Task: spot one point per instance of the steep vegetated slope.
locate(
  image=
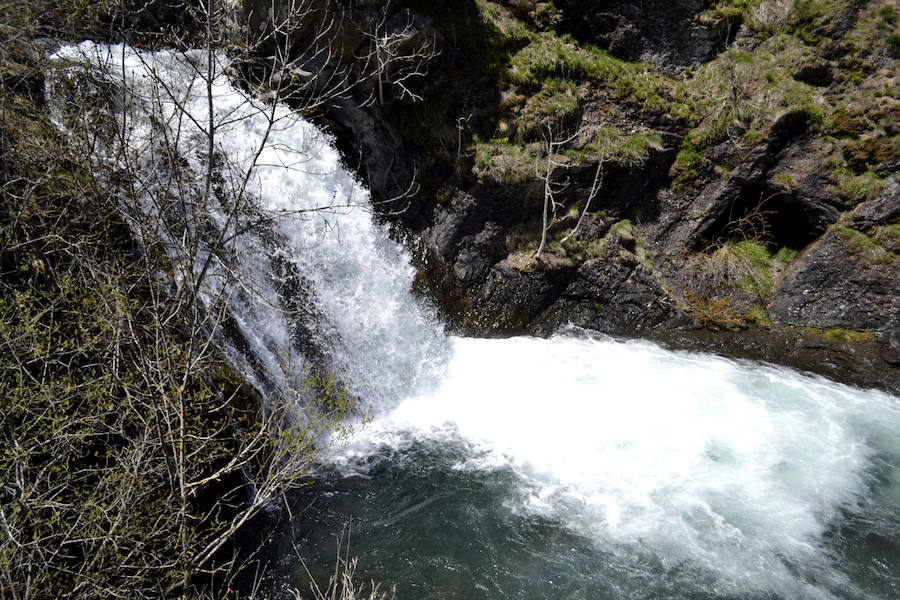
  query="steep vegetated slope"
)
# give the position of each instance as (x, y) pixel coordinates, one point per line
(130, 451)
(727, 166)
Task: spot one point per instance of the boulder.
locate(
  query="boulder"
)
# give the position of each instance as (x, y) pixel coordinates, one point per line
(613, 293)
(880, 210)
(833, 284)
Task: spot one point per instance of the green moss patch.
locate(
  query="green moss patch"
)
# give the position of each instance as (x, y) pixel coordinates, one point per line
(871, 246)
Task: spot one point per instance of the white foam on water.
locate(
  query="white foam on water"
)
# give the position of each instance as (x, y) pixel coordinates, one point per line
(734, 469)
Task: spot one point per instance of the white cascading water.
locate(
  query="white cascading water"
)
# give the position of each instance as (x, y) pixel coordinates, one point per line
(737, 469)
(379, 339)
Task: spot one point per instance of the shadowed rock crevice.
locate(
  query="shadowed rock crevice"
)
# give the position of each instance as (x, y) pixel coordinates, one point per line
(670, 35)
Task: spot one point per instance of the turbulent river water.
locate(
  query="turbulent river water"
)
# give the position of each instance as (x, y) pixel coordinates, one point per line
(584, 467)
(572, 467)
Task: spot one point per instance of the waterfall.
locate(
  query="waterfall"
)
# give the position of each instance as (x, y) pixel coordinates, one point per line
(312, 272)
(577, 467)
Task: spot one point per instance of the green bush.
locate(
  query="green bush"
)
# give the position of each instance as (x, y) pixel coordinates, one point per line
(747, 266)
(688, 160)
(611, 142)
(505, 162)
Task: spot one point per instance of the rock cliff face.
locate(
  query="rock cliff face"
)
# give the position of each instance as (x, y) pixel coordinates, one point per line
(734, 190)
(845, 278)
(660, 32)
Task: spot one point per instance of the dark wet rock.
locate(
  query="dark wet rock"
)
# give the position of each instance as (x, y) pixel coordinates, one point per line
(810, 202)
(614, 293)
(478, 253)
(665, 33)
(450, 223)
(593, 227)
(868, 364)
(787, 128)
(510, 299)
(385, 163)
(831, 284)
(891, 353)
(628, 189)
(476, 220)
(713, 207)
(785, 197)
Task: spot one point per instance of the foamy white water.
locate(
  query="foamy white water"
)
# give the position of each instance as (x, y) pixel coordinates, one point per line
(735, 469)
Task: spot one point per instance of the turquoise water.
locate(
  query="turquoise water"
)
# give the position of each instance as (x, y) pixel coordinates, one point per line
(580, 467)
